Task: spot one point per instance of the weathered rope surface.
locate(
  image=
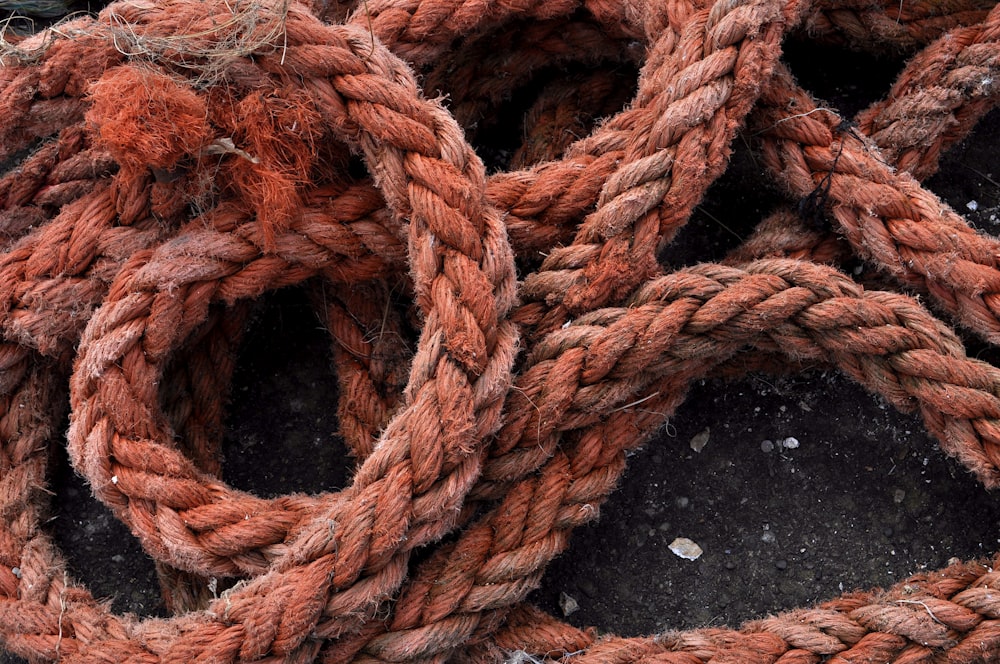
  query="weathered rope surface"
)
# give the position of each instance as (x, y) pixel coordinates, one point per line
(193, 157)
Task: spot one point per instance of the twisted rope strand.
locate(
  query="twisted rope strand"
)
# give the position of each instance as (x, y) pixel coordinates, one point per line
(325, 566)
(908, 116)
(949, 615)
(675, 329)
(943, 92)
(99, 432)
(886, 216)
(879, 25)
(615, 247)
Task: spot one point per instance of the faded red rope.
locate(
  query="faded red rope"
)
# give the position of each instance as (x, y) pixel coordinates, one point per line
(325, 566)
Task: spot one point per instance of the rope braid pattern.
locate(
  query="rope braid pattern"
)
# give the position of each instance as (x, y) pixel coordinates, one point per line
(464, 344)
(877, 25)
(890, 219)
(320, 568)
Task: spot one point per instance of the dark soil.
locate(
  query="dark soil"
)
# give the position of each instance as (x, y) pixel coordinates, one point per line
(864, 499)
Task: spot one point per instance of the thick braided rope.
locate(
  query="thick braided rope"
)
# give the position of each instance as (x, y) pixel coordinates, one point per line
(944, 90)
(39, 564)
(565, 110)
(808, 243)
(481, 74)
(881, 25)
(824, 279)
(493, 257)
(886, 216)
(919, 120)
(299, 250)
(912, 126)
(47, 295)
(100, 472)
(420, 31)
(371, 350)
(654, 408)
(582, 378)
(51, 293)
(770, 238)
(455, 287)
(532, 201)
(695, 110)
(948, 616)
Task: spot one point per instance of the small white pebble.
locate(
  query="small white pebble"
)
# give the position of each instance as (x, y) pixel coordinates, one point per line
(700, 440)
(684, 548)
(568, 604)
(973, 205)
(16, 571)
(114, 479)
(790, 443)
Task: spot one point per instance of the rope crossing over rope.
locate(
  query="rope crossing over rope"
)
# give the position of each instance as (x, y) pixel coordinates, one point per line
(170, 161)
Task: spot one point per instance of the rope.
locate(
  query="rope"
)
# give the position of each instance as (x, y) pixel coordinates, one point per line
(174, 161)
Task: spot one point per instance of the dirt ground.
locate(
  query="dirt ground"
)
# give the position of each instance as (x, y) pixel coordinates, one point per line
(806, 487)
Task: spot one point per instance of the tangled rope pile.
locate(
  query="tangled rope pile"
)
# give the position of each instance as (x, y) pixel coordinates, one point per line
(176, 159)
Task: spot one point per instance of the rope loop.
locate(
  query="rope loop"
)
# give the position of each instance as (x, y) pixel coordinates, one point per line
(167, 163)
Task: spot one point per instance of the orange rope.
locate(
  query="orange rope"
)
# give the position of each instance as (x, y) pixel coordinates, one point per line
(194, 157)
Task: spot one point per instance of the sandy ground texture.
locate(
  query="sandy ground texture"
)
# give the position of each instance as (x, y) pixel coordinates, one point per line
(805, 485)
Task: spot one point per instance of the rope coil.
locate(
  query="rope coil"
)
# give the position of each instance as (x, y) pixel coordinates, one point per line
(175, 160)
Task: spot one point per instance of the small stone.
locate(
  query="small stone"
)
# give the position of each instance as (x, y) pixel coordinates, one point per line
(766, 445)
(686, 549)
(898, 496)
(683, 501)
(118, 559)
(973, 205)
(730, 564)
(790, 443)
(700, 439)
(781, 564)
(568, 605)
(16, 571)
(887, 531)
